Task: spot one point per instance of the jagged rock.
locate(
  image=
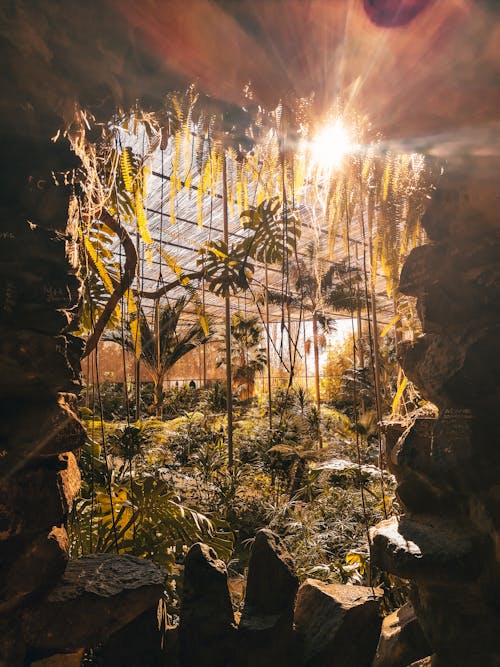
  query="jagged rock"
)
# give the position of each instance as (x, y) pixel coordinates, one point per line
(401, 639)
(421, 486)
(36, 568)
(38, 498)
(272, 583)
(426, 548)
(461, 622)
(206, 628)
(393, 430)
(431, 362)
(339, 624)
(52, 428)
(424, 662)
(34, 364)
(97, 596)
(12, 647)
(455, 372)
(265, 628)
(61, 660)
(142, 643)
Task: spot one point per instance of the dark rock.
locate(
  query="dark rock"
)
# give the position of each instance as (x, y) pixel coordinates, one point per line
(38, 498)
(455, 372)
(424, 662)
(426, 548)
(393, 430)
(97, 596)
(401, 639)
(462, 626)
(52, 428)
(421, 487)
(142, 643)
(431, 362)
(35, 569)
(34, 364)
(12, 647)
(272, 583)
(206, 629)
(339, 624)
(265, 628)
(61, 660)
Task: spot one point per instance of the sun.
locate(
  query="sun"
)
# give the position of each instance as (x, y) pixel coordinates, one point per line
(329, 147)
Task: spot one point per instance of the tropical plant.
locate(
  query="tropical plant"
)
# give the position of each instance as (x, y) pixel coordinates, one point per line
(160, 344)
(248, 356)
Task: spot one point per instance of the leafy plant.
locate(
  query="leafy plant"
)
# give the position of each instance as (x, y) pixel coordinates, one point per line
(162, 343)
(248, 356)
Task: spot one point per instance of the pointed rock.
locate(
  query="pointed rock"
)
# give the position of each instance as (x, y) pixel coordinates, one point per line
(206, 629)
(401, 639)
(339, 624)
(266, 626)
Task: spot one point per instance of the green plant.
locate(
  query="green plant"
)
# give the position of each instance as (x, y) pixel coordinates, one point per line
(129, 441)
(248, 356)
(160, 344)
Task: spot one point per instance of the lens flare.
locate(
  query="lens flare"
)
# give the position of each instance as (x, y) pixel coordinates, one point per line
(329, 147)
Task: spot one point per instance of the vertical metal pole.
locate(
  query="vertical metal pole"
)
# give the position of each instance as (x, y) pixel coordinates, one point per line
(229, 379)
(305, 353)
(159, 388)
(204, 351)
(376, 354)
(376, 350)
(361, 354)
(137, 359)
(316, 373)
(268, 352)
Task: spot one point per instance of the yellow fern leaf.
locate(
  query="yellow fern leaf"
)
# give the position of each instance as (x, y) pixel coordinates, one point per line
(142, 223)
(127, 169)
(386, 181)
(200, 205)
(101, 269)
(399, 394)
(130, 301)
(135, 332)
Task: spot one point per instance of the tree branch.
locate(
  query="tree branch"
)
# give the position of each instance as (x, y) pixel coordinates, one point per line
(121, 286)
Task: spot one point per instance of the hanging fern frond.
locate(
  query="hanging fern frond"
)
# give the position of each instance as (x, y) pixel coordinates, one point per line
(127, 170)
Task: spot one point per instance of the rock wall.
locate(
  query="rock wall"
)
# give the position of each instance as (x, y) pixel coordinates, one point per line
(39, 361)
(448, 541)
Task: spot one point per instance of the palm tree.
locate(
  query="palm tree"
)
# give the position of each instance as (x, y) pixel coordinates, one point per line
(248, 357)
(321, 286)
(163, 342)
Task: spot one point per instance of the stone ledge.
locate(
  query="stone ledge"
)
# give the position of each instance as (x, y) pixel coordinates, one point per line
(97, 595)
(426, 549)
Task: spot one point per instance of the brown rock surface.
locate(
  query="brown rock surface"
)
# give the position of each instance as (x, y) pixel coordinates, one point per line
(36, 568)
(265, 629)
(401, 639)
(38, 497)
(97, 596)
(141, 643)
(206, 628)
(339, 624)
(426, 547)
(272, 583)
(60, 660)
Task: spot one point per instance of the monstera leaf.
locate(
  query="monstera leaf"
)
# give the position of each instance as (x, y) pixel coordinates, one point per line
(225, 269)
(275, 232)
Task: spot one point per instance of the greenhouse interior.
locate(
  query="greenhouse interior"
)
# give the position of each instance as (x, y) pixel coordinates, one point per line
(250, 296)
